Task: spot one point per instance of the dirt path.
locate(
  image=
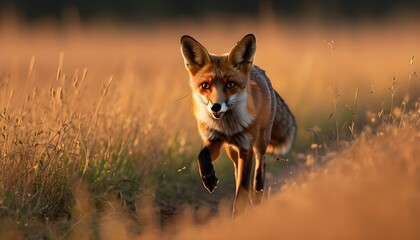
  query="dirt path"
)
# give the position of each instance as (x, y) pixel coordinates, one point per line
(179, 196)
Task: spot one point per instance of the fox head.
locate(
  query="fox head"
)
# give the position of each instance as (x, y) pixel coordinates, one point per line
(218, 81)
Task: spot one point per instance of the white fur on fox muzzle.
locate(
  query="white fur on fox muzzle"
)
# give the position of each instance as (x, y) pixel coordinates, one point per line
(217, 115)
(217, 109)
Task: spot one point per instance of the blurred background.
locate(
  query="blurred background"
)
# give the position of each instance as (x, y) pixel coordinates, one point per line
(157, 10)
(324, 50)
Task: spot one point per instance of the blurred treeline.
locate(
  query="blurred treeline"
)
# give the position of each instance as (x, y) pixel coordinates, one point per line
(156, 10)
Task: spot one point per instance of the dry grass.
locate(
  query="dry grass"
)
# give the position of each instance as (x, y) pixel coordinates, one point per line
(94, 118)
(368, 192)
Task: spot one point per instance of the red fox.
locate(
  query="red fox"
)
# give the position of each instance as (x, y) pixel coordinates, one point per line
(236, 108)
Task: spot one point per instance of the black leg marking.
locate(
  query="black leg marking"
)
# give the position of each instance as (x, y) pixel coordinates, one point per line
(207, 173)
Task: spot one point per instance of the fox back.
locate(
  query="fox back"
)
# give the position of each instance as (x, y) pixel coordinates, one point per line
(236, 107)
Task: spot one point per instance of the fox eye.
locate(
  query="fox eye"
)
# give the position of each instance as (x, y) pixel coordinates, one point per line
(230, 85)
(205, 85)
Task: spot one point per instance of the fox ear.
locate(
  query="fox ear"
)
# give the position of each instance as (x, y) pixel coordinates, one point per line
(242, 54)
(195, 55)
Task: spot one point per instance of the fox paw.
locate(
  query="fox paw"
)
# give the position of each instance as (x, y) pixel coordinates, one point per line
(210, 181)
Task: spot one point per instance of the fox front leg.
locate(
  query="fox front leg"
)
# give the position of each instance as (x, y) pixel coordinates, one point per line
(244, 167)
(209, 153)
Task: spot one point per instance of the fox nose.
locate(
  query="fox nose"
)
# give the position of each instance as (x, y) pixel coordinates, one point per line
(216, 107)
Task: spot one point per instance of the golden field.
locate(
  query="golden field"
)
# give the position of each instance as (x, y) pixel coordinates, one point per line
(98, 139)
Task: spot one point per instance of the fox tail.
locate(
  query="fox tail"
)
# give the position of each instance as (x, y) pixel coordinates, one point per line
(284, 129)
